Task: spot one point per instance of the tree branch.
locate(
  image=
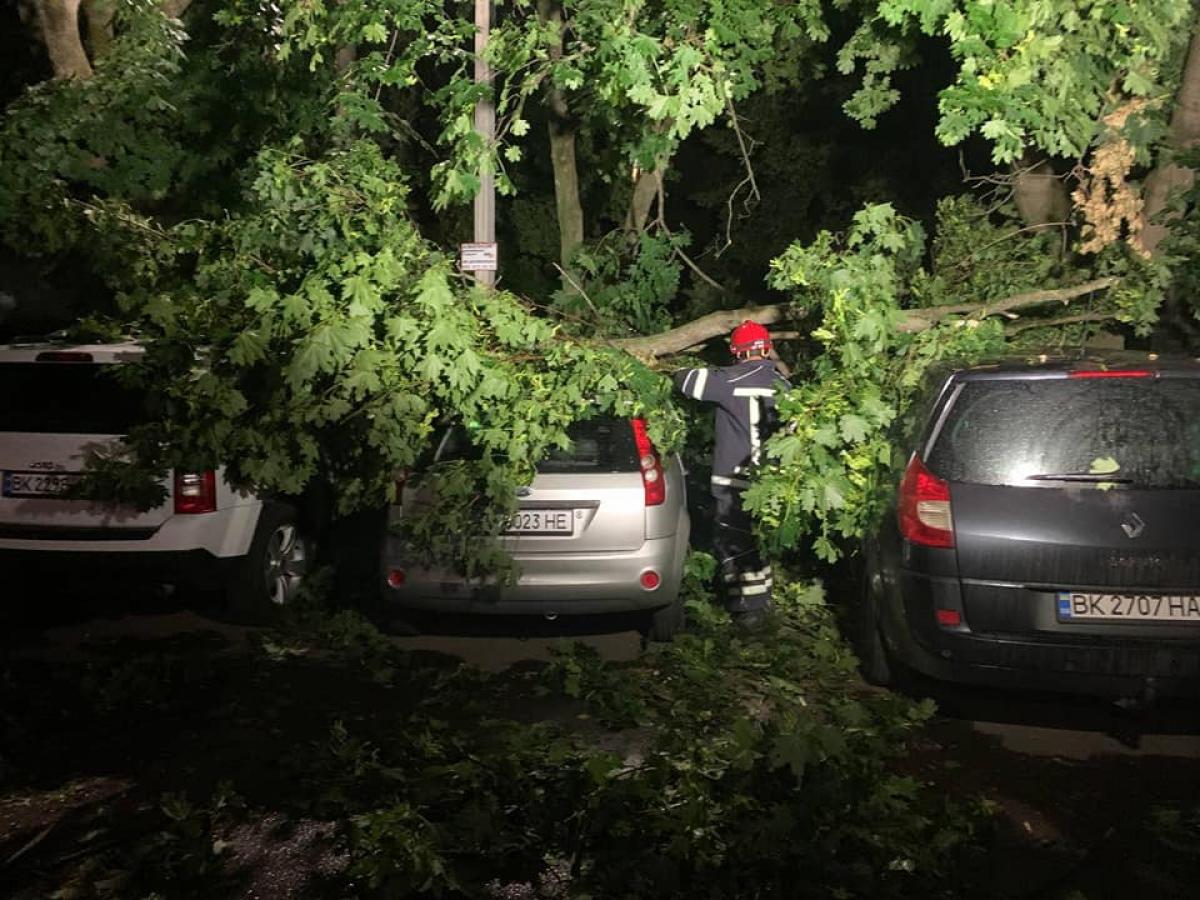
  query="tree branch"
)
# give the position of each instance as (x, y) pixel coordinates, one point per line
(1025, 325)
(720, 323)
(754, 196)
(700, 273)
(920, 319)
(698, 331)
(567, 277)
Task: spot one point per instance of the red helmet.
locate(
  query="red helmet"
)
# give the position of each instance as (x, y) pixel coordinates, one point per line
(750, 337)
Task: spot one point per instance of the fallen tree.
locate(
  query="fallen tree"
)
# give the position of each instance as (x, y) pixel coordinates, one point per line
(720, 323)
(339, 332)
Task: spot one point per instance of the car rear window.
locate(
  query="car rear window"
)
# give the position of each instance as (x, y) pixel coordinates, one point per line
(597, 445)
(65, 398)
(1007, 431)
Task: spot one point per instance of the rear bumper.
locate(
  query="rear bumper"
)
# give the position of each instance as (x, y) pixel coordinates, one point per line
(549, 584)
(1096, 664)
(193, 568)
(224, 533)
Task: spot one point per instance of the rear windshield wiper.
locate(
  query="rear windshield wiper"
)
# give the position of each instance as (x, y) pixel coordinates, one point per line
(1081, 477)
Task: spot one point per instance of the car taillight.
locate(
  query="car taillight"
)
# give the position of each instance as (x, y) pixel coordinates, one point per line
(1111, 373)
(924, 508)
(948, 618)
(652, 472)
(195, 492)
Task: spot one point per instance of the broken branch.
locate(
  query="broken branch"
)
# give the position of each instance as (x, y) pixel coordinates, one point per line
(1018, 327)
(720, 323)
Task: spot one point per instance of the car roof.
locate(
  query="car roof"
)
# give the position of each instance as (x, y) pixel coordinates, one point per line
(36, 350)
(1049, 366)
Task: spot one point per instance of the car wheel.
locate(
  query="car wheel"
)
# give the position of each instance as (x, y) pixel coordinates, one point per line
(667, 622)
(269, 576)
(874, 661)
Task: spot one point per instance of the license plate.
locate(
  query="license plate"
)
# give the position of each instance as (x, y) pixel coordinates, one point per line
(542, 521)
(36, 484)
(1076, 606)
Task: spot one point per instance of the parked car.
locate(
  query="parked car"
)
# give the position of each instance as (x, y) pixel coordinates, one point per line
(603, 528)
(1045, 532)
(59, 402)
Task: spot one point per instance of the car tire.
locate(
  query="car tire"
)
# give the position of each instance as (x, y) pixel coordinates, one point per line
(874, 661)
(667, 622)
(268, 577)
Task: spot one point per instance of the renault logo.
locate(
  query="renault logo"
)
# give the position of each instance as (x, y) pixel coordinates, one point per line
(1132, 525)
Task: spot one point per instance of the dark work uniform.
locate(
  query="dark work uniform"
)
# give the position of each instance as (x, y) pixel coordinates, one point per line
(746, 416)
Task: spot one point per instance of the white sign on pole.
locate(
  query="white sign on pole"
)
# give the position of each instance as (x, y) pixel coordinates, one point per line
(479, 257)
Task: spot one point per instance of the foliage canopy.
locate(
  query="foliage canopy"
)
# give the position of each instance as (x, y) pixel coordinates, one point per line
(257, 186)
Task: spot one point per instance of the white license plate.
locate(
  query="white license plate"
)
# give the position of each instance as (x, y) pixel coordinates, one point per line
(36, 484)
(542, 521)
(1076, 606)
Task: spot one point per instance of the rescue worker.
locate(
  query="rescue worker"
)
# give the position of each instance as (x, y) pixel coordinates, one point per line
(744, 395)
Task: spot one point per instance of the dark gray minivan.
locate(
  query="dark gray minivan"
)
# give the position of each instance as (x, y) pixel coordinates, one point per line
(1045, 532)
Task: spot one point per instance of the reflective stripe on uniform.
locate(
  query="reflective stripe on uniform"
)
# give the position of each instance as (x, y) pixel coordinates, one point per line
(730, 482)
(754, 590)
(755, 438)
(760, 575)
(697, 390)
(754, 400)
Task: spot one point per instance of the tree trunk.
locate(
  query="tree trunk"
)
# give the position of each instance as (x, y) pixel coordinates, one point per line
(59, 20)
(1041, 197)
(1169, 178)
(566, 190)
(716, 324)
(99, 15)
(645, 190)
(344, 57)
(562, 151)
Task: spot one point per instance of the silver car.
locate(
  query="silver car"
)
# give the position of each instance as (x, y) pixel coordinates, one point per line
(603, 528)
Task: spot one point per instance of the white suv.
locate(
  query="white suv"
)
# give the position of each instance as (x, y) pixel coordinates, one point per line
(58, 404)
